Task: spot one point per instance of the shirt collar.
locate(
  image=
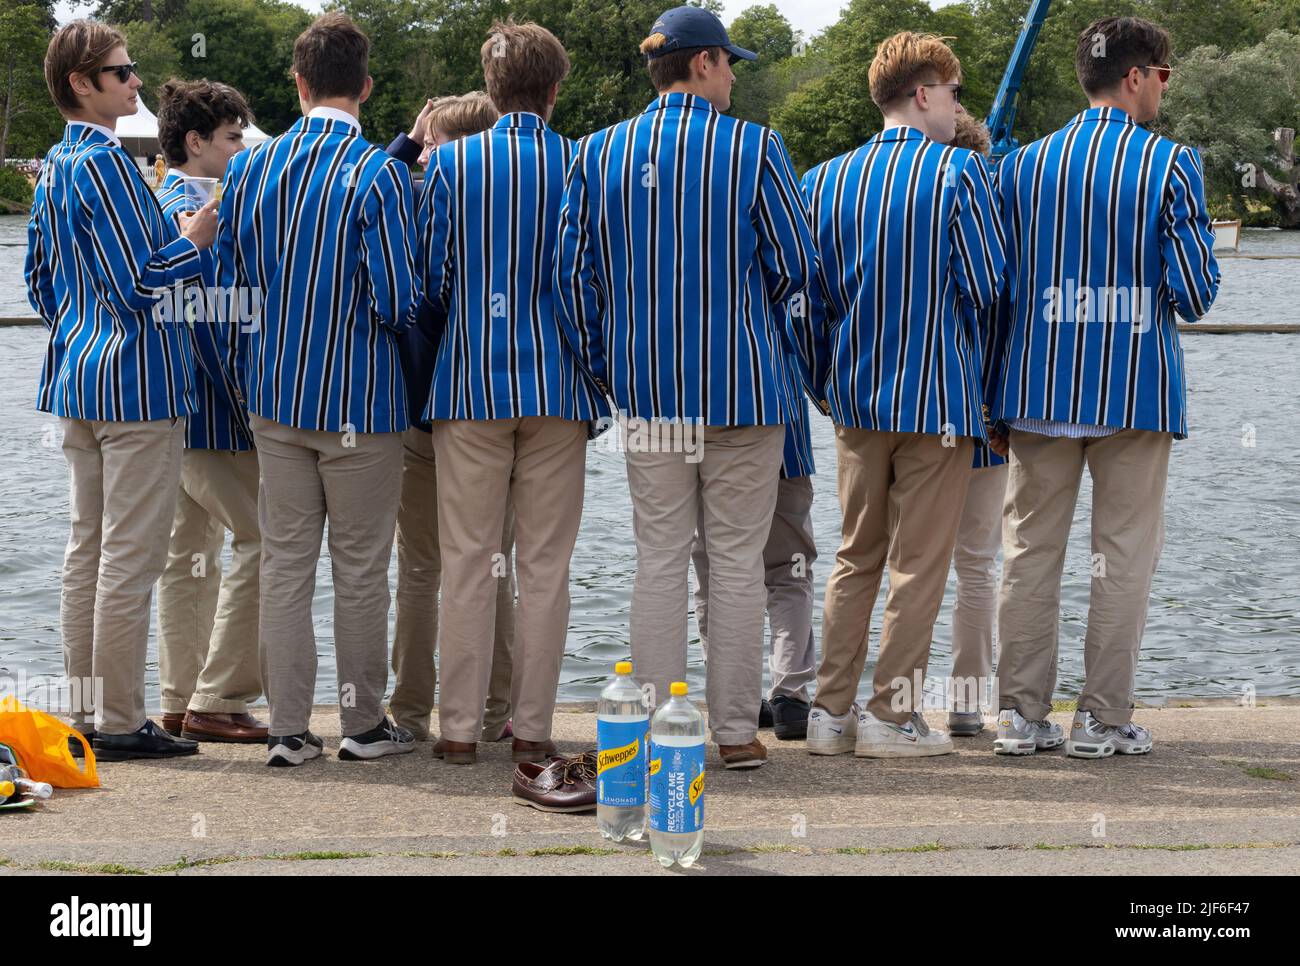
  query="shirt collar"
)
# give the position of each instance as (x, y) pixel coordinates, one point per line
(109, 135)
(679, 99)
(334, 114)
(526, 119)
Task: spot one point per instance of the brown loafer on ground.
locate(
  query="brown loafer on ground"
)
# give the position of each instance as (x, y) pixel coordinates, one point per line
(521, 750)
(560, 785)
(238, 729)
(173, 723)
(456, 752)
(751, 755)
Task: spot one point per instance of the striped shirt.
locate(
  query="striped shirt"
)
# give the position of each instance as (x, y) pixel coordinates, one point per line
(316, 232)
(100, 257)
(219, 420)
(488, 221)
(681, 230)
(1108, 238)
(908, 235)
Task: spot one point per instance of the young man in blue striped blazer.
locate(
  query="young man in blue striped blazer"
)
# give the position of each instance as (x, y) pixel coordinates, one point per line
(682, 234)
(208, 663)
(316, 225)
(509, 403)
(908, 236)
(1109, 241)
(101, 259)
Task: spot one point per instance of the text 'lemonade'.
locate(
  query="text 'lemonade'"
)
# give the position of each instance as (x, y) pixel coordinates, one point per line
(622, 733)
(677, 781)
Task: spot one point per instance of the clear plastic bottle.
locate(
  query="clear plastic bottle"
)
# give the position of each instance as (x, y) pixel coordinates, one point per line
(677, 780)
(622, 739)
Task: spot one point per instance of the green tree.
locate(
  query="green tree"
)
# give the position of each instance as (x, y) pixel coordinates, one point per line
(154, 49)
(764, 83)
(28, 120)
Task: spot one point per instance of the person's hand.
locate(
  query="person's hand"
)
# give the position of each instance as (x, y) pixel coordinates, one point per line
(201, 226)
(419, 129)
(998, 443)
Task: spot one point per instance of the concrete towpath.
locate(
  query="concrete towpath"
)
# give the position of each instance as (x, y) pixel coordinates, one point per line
(1220, 794)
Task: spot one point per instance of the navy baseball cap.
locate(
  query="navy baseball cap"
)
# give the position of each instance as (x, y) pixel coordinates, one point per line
(687, 27)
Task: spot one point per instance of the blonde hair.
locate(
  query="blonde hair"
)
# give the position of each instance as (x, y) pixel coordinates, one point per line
(971, 134)
(907, 59)
(521, 63)
(460, 115)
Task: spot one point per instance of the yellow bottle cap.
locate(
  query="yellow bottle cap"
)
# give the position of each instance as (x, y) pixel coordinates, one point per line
(623, 667)
(677, 689)
(6, 789)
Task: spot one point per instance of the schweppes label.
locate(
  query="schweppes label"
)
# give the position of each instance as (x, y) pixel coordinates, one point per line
(697, 788)
(621, 761)
(655, 765)
(614, 757)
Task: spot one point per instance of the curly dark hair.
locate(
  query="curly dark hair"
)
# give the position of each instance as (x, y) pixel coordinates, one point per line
(201, 106)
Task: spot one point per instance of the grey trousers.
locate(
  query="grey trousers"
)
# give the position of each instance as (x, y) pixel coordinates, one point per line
(975, 558)
(733, 486)
(788, 557)
(354, 481)
(1129, 470)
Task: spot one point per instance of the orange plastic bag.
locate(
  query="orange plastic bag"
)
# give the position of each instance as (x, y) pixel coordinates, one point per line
(42, 746)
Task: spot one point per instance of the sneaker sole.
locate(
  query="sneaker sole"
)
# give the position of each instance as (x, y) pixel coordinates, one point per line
(901, 751)
(796, 732)
(350, 751)
(1014, 746)
(831, 746)
(1089, 749)
(746, 763)
(965, 731)
(218, 739)
(282, 757)
(1143, 749)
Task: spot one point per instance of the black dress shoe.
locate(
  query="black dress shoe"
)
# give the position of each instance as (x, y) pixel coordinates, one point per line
(74, 745)
(149, 742)
(790, 718)
(765, 714)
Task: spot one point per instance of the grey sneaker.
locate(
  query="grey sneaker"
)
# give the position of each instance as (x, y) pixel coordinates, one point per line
(965, 724)
(1089, 738)
(1018, 735)
(884, 739)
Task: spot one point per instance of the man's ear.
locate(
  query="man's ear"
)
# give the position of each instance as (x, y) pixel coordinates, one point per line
(304, 94)
(365, 91)
(80, 83)
(193, 144)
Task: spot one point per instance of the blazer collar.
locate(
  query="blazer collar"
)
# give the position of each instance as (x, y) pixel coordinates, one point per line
(77, 131)
(326, 120)
(679, 99)
(1103, 114)
(524, 119)
(902, 133)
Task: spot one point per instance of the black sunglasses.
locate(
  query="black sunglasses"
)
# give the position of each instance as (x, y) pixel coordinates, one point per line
(123, 71)
(956, 90)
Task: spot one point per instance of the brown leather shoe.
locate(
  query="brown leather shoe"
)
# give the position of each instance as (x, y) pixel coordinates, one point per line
(456, 752)
(751, 755)
(560, 785)
(173, 723)
(521, 750)
(238, 729)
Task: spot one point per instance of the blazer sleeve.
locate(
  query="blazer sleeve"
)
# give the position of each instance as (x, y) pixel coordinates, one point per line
(39, 268)
(1191, 272)
(111, 201)
(580, 299)
(388, 244)
(978, 245)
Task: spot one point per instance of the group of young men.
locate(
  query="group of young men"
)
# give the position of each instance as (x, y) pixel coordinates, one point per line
(434, 368)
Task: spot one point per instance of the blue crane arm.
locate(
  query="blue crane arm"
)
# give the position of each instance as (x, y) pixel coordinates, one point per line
(1003, 113)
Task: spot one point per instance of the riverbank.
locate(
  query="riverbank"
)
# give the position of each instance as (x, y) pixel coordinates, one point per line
(1220, 794)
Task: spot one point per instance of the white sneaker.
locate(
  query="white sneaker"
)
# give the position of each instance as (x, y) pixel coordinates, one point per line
(832, 735)
(385, 738)
(1089, 738)
(883, 739)
(1018, 735)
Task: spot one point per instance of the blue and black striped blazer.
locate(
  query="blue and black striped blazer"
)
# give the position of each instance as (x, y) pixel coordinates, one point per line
(317, 226)
(219, 420)
(101, 257)
(909, 239)
(682, 231)
(1104, 208)
(488, 221)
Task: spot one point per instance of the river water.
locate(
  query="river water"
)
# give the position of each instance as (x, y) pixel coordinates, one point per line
(1225, 609)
